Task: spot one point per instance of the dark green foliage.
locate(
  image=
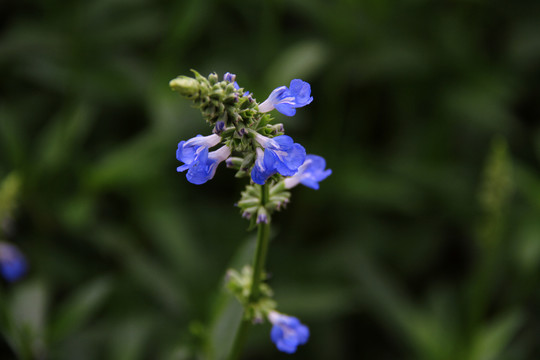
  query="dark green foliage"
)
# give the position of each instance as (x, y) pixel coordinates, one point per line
(423, 244)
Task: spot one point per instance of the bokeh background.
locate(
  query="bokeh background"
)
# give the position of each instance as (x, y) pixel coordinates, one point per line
(423, 244)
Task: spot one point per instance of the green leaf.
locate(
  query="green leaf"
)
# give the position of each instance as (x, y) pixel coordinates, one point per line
(131, 338)
(63, 137)
(79, 308)
(493, 338)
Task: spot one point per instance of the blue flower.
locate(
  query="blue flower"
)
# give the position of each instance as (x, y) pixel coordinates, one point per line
(229, 77)
(189, 151)
(205, 165)
(232, 79)
(310, 173)
(281, 155)
(12, 262)
(286, 100)
(263, 168)
(288, 332)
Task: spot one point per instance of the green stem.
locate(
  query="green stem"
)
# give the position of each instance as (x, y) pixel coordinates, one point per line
(239, 339)
(263, 230)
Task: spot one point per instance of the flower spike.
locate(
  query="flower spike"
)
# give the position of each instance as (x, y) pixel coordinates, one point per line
(310, 173)
(286, 100)
(259, 149)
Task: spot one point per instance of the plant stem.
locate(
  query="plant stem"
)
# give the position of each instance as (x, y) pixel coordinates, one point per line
(239, 339)
(263, 230)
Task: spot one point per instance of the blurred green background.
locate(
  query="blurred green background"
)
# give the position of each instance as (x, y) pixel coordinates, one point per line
(423, 244)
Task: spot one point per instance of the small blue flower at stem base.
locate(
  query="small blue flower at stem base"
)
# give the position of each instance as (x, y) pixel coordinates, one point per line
(204, 168)
(310, 173)
(281, 155)
(286, 100)
(12, 262)
(188, 151)
(288, 332)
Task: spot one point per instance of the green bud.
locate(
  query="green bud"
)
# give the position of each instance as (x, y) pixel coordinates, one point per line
(277, 129)
(240, 174)
(213, 78)
(278, 188)
(247, 162)
(186, 86)
(252, 190)
(248, 202)
(234, 162)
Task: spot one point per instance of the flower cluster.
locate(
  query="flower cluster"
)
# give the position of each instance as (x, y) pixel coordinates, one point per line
(243, 127)
(256, 148)
(239, 284)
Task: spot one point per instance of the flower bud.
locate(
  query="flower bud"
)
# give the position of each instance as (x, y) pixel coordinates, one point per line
(184, 85)
(262, 216)
(219, 128)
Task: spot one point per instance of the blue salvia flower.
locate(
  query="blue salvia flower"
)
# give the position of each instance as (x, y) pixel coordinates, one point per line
(281, 155)
(288, 332)
(188, 151)
(310, 173)
(286, 100)
(204, 167)
(232, 79)
(263, 168)
(12, 262)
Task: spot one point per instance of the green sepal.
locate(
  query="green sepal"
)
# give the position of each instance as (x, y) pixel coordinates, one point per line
(249, 159)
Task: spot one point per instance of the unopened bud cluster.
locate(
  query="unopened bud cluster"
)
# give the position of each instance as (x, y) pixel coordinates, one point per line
(239, 284)
(258, 211)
